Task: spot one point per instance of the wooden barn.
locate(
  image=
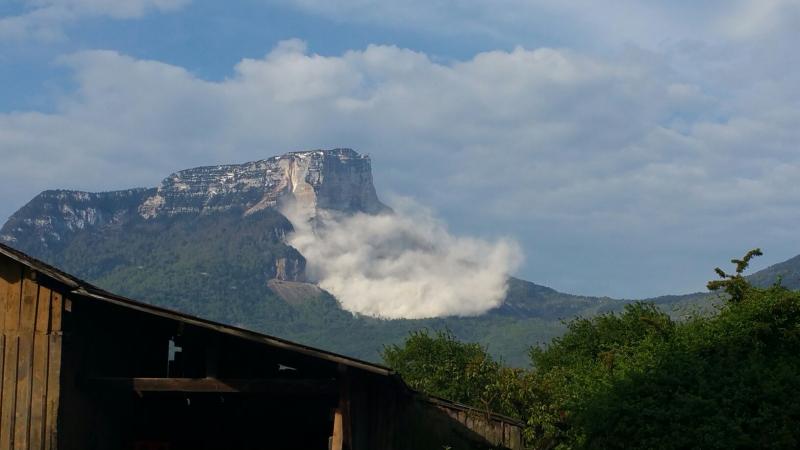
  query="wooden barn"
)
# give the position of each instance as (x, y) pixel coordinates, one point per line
(84, 369)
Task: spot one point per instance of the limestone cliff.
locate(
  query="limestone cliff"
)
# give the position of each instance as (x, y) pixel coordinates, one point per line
(339, 180)
(52, 217)
(316, 180)
(313, 182)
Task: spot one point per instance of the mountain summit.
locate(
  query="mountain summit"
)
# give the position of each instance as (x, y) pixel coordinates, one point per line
(337, 180)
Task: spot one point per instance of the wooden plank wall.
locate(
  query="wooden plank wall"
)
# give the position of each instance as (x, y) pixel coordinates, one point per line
(30, 359)
(495, 430)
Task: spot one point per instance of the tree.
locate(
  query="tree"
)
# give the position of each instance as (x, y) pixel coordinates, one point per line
(438, 364)
(735, 285)
(638, 380)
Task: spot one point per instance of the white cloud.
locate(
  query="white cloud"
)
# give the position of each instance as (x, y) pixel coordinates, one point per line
(45, 19)
(404, 264)
(585, 22)
(695, 144)
(756, 17)
(596, 24)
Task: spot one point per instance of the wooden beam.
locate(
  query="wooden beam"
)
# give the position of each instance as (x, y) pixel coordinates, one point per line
(27, 324)
(337, 439)
(341, 438)
(10, 300)
(276, 386)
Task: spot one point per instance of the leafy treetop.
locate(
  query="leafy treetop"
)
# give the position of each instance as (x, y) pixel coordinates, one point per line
(735, 285)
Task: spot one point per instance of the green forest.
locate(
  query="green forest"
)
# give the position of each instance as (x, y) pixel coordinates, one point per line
(218, 266)
(638, 379)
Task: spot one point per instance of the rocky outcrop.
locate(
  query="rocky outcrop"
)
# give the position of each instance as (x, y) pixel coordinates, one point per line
(295, 293)
(292, 268)
(338, 180)
(52, 217)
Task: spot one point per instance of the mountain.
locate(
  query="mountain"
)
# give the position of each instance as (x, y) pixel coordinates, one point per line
(787, 272)
(318, 181)
(211, 241)
(49, 222)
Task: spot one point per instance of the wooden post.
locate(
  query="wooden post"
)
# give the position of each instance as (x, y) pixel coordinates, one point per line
(10, 299)
(27, 324)
(337, 440)
(341, 439)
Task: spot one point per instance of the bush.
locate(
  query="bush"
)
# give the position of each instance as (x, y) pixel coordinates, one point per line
(440, 365)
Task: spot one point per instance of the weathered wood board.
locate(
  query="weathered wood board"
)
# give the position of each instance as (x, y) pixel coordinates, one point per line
(30, 356)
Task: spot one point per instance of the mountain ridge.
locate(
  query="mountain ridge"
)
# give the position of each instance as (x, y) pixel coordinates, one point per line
(321, 180)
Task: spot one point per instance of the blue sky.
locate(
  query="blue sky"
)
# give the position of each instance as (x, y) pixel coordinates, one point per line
(628, 146)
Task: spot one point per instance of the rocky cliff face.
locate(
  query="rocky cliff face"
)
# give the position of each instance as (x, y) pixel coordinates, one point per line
(52, 217)
(312, 182)
(339, 180)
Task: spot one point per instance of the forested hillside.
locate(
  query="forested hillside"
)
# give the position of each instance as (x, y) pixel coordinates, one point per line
(639, 379)
(218, 266)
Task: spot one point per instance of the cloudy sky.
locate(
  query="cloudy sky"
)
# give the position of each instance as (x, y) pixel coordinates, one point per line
(628, 146)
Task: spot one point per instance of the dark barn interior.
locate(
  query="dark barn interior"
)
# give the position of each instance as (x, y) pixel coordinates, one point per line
(84, 369)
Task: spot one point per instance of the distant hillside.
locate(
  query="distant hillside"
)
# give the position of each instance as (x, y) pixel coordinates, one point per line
(788, 272)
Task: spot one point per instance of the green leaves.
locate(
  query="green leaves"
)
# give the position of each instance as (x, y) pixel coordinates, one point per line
(736, 286)
(438, 364)
(638, 379)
